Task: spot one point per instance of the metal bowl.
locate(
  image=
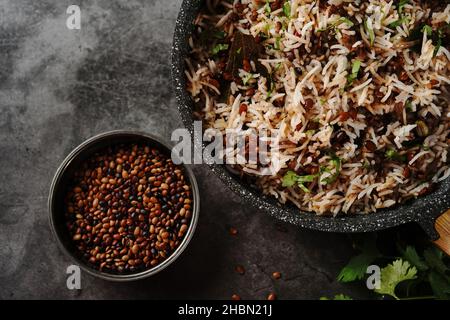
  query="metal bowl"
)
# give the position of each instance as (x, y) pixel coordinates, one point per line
(65, 173)
(424, 210)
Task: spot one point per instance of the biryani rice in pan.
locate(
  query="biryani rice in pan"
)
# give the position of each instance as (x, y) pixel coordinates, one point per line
(358, 93)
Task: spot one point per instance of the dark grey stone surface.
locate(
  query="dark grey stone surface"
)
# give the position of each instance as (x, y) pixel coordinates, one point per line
(59, 87)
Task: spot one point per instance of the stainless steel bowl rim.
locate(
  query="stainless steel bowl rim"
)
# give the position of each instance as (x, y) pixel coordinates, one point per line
(134, 276)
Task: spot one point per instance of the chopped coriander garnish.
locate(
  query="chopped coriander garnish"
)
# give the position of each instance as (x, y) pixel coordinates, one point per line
(287, 9)
(408, 106)
(393, 274)
(355, 70)
(336, 162)
(238, 50)
(270, 91)
(425, 148)
(426, 28)
(391, 154)
(267, 8)
(219, 47)
(370, 31)
(278, 66)
(401, 5)
(277, 43)
(310, 132)
(291, 179)
(338, 22)
(398, 23)
(247, 78)
(346, 21)
(366, 164)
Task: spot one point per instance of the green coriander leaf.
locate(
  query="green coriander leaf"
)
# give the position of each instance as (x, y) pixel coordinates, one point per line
(434, 258)
(440, 285)
(277, 43)
(408, 106)
(305, 189)
(391, 154)
(346, 21)
(267, 8)
(308, 178)
(366, 165)
(310, 132)
(219, 47)
(401, 5)
(393, 274)
(287, 9)
(370, 32)
(426, 28)
(356, 268)
(410, 254)
(289, 179)
(270, 91)
(278, 66)
(438, 46)
(356, 66)
(398, 22)
(336, 163)
(355, 70)
(247, 78)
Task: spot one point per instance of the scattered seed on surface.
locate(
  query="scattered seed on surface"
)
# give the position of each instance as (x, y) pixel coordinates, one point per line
(233, 231)
(276, 275)
(235, 297)
(271, 296)
(239, 269)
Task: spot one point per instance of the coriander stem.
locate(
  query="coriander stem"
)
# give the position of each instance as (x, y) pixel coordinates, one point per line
(419, 298)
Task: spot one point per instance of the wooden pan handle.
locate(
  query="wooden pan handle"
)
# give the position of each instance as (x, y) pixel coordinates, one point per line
(443, 228)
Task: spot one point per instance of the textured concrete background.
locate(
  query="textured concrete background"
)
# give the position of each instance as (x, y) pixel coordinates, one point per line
(59, 87)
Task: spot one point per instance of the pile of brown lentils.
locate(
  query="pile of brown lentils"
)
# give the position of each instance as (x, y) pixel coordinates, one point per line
(128, 209)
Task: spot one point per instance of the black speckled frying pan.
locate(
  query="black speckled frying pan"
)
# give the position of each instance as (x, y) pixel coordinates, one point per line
(425, 210)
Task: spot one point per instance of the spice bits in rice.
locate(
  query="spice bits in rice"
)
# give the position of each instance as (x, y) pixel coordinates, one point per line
(128, 209)
(357, 92)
